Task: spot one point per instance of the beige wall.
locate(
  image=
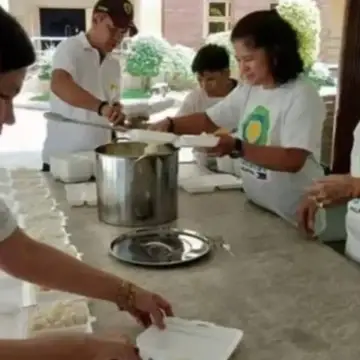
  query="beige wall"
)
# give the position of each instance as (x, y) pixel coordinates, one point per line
(337, 16)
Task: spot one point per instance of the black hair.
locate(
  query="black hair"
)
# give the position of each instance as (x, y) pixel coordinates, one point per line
(16, 50)
(211, 58)
(268, 30)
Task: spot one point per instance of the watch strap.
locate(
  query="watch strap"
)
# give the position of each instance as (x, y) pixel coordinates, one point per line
(101, 106)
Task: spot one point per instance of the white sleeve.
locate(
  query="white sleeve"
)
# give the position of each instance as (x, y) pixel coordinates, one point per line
(7, 221)
(227, 113)
(65, 56)
(303, 120)
(188, 106)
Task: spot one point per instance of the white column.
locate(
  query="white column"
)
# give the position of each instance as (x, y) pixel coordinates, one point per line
(148, 16)
(5, 4)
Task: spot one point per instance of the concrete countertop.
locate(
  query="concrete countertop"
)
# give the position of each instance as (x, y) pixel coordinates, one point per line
(294, 299)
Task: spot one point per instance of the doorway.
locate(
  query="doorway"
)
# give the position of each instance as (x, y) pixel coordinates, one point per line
(56, 22)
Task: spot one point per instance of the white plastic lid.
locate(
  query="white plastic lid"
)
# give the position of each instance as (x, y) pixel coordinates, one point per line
(188, 340)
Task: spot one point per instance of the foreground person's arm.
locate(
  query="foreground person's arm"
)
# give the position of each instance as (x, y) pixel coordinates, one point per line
(37, 348)
(68, 347)
(35, 262)
(38, 263)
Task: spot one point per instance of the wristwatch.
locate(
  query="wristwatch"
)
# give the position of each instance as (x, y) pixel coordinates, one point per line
(101, 106)
(171, 126)
(238, 149)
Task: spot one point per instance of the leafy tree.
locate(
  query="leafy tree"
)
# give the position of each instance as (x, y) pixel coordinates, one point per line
(178, 72)
(304, 17)
(146, 57)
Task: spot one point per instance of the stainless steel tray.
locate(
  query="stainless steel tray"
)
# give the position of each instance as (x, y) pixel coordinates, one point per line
(160, 247)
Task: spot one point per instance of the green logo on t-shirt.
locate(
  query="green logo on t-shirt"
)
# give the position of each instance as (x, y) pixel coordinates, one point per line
(255, 129)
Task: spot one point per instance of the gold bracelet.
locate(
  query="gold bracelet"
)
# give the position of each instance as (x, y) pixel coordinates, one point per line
(126, 296)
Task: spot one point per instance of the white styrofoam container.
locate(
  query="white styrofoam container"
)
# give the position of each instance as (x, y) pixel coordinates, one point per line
(15, 294)
(13, 325)
(198, 141)
(89, 156)
(225, 164)
(237, 167)
(149, 136)
(190, 340)
(81, 194)
(69, 168)
(210, 183)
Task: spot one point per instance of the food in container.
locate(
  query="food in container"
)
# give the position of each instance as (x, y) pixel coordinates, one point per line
(61, 315)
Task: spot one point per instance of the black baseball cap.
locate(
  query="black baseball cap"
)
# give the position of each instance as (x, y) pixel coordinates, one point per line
(121, 13)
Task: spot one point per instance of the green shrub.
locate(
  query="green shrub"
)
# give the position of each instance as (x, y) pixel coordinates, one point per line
(45, 64)
(304, 17)
(178, 72)
(146, 57)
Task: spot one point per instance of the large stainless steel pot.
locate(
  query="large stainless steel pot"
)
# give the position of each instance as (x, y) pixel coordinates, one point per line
(136, 193)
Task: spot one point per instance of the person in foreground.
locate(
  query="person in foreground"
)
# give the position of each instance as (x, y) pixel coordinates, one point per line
(335, 190)
(85, 81)
(32, 261)
(278, 115)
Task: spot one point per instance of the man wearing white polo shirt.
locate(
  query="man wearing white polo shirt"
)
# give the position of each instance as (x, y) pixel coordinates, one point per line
(85, 81)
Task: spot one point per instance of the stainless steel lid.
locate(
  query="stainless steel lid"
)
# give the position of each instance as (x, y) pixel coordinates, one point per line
(160, 247)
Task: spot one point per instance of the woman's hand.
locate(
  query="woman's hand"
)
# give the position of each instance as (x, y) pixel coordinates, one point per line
(147, 307)
(333, 190)
(306, 215)
(225, 146)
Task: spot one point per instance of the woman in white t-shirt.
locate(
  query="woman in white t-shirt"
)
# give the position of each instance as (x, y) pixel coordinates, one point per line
(333, 191)
(211, 66)
(278, 114)
(32, 261)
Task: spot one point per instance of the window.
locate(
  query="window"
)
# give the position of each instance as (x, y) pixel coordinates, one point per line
(273, 5)
(217, 16)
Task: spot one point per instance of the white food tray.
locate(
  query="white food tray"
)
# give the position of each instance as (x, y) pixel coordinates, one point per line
(210, 183)
(71, 168)
(13, 325)
(81, 194)
(148, 136)
(201, 141)
(15, 294)
(190, 340)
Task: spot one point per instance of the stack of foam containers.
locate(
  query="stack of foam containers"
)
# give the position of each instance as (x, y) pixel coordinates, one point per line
(27, 310)
(73, 168)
